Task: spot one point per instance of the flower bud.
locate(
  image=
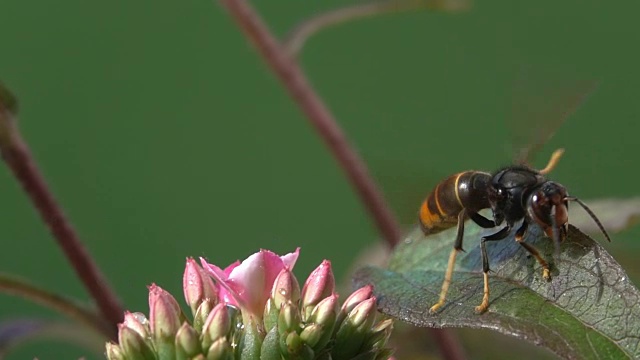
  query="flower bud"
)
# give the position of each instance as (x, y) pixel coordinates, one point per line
(164, 321)
(352, 301)
(271, 313)
(164, 313)
(377, 338)
(319, 285)
(364, 314)
(356, 298)
(354, 329)
(187, 342)
(202, 313)
(325, 312)
(293, 347)
(197, 285)
(217, 325)
(220, 350)
(133, 345)
(383, 325)
(137, 322)
(285, 288)
(289, 318)
(113, 352)
(311, 334)
(290, 342)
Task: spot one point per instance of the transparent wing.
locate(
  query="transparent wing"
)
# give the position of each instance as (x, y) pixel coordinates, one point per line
(540, 105)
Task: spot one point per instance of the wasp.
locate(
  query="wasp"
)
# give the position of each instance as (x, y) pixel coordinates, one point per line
(514, 194)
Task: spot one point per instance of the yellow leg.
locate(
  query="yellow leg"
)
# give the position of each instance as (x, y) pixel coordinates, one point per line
(484, 305)
(553, 161)
(536, 254)
(446, 282)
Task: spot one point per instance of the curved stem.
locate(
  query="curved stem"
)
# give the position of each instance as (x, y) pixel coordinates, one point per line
(16, 154)
(296, 83)
(301, 33)
(294, 80)
(17, 287)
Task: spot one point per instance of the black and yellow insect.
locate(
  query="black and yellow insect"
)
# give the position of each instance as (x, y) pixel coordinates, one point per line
(517, 193)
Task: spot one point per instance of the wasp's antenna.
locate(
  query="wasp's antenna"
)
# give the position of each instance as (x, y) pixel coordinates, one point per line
(553, 161)
(593, 216)
(556, 233)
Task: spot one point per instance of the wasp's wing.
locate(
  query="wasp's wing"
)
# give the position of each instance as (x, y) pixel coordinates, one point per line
(539, 108)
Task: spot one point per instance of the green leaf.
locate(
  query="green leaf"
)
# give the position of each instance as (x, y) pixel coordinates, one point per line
(588, 310)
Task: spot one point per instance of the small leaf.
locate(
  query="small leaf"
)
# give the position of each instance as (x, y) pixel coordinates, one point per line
(270, 346)
(589, 309)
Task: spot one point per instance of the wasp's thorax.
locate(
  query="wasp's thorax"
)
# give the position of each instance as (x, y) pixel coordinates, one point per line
(509, 191)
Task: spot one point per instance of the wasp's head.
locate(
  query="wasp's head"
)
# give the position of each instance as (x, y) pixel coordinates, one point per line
(548, 207)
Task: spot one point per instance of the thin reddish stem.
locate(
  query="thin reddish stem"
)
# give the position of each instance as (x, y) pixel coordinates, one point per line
(17, 156)
(450, 347)
(296, 83)
(299, 88)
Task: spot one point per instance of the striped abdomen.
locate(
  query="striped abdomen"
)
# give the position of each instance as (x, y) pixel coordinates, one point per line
(463, 190)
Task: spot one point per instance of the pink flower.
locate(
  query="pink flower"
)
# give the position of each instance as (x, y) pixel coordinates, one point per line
(248, 284)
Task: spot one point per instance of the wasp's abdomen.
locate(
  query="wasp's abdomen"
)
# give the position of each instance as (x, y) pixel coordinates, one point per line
(440, 209)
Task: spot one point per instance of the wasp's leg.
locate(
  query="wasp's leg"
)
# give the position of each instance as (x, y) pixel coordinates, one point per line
(553, 161)
(482, 221)
(485, 264)
(452, 260)
(532, 250)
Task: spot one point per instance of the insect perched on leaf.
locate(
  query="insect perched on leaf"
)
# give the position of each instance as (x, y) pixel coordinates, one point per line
(514, 193)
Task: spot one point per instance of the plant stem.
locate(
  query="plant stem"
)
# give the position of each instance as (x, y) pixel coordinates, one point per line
(295, 40)
(295, 82)
(299, 88)
(448, 343)
(18, 287)
(18, 158)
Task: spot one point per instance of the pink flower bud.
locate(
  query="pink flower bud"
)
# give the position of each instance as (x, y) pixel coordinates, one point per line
(363, 315)
(113, 352)
(136, 322)
(217, 325)
(319, 285)
(357, 297)
(197, 285)
(285, 288)
(326, 311)
(187, 341)
(164, 313)
(353, 300)
(132, 344)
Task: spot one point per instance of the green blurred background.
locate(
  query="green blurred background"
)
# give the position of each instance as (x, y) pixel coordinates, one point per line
(164, 136)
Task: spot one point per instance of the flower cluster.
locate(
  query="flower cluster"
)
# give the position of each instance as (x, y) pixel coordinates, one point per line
(255, 310)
